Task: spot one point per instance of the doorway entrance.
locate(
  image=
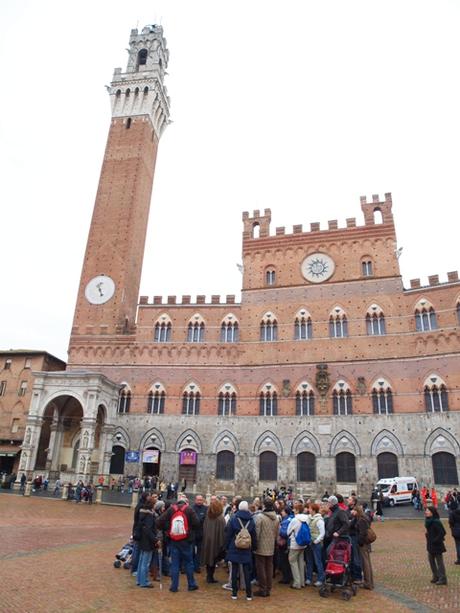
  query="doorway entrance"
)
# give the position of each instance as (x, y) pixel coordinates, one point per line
(188, 459)
(151, 460)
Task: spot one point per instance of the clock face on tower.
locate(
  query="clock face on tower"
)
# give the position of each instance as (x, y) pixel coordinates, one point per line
(317, 267)
(100, 289)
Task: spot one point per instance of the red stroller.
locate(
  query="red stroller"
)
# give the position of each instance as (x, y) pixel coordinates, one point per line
(338, 575)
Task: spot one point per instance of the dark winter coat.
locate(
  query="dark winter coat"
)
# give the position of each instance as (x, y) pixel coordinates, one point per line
(239, 556)
(361, 525)
(200, 510)
(435, 534)
(337, 522)
(164, 522)
(213, 539)
(454, 523)
(147, 532)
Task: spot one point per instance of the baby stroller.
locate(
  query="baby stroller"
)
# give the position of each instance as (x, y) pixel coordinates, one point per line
(123, 557)
(338, 575)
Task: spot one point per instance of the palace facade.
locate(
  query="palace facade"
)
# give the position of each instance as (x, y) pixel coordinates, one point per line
(329, 374)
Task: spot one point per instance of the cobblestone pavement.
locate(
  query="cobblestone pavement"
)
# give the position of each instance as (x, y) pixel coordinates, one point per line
(58, 556)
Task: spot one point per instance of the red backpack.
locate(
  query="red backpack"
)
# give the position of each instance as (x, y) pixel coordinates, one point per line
(179, 524)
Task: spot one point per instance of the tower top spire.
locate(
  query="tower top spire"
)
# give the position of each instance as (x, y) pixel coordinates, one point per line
(141, 90)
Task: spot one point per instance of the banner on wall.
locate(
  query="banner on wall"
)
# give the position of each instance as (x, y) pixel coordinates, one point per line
(188, 458)
(151, 456)
(132, 456)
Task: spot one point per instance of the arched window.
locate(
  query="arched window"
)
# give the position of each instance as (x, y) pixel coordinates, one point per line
(255, 230)
(268, 328)
(436, 397)
(146, 90)
(367, 268)
(229, 330)
(195, 333)
(338, 325)
(142, 57)
(136, 91)
(128, 123)
(425, 317)
(163, 329)
(270, 276)
(127, 92)
(191, 400)
(124, 400)
(306, 467)
(118, 93)
(444, 469)
(303, 328)
(375, 321)
(345, 467)
(382, 398)
(268, 401)
(117, 463)
(268, 466)
(387, 465)
(304, 400)
(225, 466)
(342, 400)
(227, 400)
(378, 216)
(156, 400)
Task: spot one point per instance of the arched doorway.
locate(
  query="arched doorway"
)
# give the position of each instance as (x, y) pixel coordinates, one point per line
(188, 460)
(306, 466)
(444, 468)
(387, 465)
(345, 466)
(268, 466)
(151, 460)
(117, 463)
(225, 465)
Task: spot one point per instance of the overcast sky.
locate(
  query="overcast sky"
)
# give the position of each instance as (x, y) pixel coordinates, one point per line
(299, 106)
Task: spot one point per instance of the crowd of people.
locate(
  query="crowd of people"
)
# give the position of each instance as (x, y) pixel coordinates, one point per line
(276, 536)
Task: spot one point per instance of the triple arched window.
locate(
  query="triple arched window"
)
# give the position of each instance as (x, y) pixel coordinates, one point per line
(375, 321)
(124, 399)
(435, 392)
(303, 328)
(229, 330)
(342, 400)
(268, 328)
(268, 401)
(338, 324)
(425, 317)
(156, 399)
(304, 400)
(191, 400)
(226, 400)
(163, 329)
(195, 330)
(382, 398)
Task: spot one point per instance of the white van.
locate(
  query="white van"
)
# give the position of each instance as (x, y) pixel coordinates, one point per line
(397, 490)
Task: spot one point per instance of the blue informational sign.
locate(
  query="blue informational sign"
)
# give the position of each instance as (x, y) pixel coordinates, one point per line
(132, 456)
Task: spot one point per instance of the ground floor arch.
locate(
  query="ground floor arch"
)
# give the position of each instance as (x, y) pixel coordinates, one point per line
(387, 465)
(151, 462)
(444, 468)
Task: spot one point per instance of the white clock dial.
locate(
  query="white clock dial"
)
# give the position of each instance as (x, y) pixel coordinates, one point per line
(317, 267)
(100, 289)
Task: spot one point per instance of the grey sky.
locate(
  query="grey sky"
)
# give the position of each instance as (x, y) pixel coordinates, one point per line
(297, 106)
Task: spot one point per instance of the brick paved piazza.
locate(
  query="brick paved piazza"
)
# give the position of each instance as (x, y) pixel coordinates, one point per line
(57, 556)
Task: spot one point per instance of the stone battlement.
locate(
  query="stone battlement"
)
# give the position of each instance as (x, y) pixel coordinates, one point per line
(433, 281)
(187, 300)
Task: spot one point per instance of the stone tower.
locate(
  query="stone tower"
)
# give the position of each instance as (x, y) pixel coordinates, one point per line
(109, 285)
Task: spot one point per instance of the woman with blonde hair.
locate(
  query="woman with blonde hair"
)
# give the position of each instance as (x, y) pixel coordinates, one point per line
(213, 538)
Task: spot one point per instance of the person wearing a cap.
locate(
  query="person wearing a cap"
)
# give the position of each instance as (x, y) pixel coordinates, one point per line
(338, 522)
(240, 556)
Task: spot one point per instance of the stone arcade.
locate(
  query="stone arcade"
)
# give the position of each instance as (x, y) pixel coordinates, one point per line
(327, 375)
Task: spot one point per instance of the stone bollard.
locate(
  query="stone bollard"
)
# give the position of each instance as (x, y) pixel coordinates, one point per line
(135, 499)
(99, 495)
(28, 488)
(194, 488)
(65, 492)
(251, 491)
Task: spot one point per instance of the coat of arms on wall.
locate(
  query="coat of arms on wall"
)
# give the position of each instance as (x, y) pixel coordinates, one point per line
(322, 380)
(361, 386)
(286, 388)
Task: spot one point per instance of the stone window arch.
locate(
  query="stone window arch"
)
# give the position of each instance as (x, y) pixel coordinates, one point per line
(387, 465)
(303, 327)
(306, 466)
(268, 400)
(345, 467)
(269, 328)
(268, 466)
(196, 329)
(382, 397)
(229, 329)
(191, 398)
(270, 275)
(156, 399)
(225, 465)
(425, 316)
(444, 468)
(141, 58)
(124, 399)
(435, 394)
(226, 400)
(338, 323)
(304, 399)
(342, 399)
(375, 321)
(163, 329)
(367, 266)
